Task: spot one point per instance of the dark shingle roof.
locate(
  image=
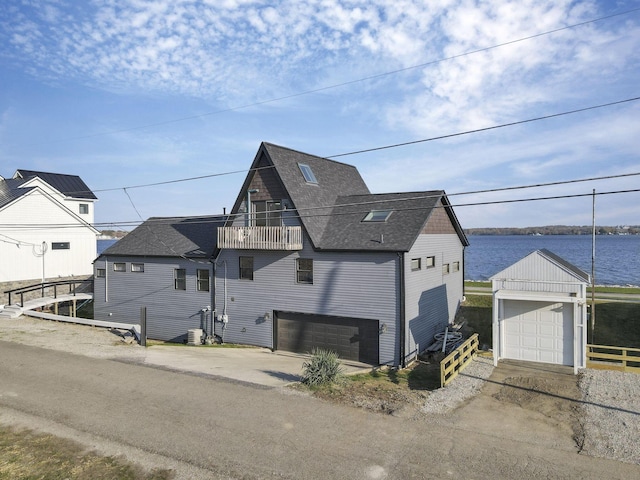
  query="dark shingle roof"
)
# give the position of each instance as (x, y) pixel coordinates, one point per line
(410, 211)
(9, 191)
(334, 179)
(69, 185)
(329, 210)
(193, 237)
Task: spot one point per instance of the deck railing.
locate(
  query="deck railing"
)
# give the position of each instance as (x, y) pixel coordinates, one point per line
(605, 357)
(260, 238)
(70, 287)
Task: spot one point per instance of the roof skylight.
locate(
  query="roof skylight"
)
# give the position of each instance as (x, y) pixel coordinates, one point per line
(307, 173)
(377, 216)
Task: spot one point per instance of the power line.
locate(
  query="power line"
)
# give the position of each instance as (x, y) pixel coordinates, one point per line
(519, 122)
(189, 179)
(216, 218)
(384, 147)
(347, 83)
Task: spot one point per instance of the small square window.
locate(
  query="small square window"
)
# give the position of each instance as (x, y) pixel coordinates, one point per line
(137, 267)
(304, 270)
(60, 245)
(84, 208)
(431, 262)
(180, 279)
(119, 267)
(203, 280)
(307, 173)
(377, 216)
(456, 266)
(246, 268)
(101, 272)
(415, 264)
(445, 268)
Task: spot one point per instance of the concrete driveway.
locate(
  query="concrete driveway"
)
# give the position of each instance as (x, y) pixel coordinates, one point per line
(258, 366)
(252, 365)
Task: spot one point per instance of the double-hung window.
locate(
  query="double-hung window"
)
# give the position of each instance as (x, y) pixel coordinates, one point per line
(304, 270)
(180, 279)
(202, 280)
(246, 268)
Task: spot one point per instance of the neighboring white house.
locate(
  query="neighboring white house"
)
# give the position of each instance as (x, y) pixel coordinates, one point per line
(46, 227)
(540, 311)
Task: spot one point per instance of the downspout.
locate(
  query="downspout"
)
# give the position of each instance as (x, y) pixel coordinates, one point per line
(403, 333)
(464, 265)
(221, 318)
(106, 280)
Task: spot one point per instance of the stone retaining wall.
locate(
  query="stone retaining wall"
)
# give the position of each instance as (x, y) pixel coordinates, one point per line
(15, 298)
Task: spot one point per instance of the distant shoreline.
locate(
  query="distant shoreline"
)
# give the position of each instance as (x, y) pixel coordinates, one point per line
(556, 230)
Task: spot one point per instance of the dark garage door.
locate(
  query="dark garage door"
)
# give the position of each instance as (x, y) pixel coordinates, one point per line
(351, 338)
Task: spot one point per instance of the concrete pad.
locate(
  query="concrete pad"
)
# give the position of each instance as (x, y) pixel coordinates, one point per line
(259, 366)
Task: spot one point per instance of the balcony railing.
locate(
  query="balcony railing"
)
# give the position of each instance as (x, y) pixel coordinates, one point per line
(260, 238)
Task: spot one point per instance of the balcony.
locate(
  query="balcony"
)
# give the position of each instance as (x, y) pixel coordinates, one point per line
(260, 238)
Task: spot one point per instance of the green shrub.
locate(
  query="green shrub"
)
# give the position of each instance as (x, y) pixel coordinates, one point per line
(323, 367)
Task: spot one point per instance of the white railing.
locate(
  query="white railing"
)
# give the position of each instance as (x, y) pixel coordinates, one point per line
(260, 238)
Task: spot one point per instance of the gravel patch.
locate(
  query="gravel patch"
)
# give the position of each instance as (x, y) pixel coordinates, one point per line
(465, 386)
(611, 414)
(73, 338)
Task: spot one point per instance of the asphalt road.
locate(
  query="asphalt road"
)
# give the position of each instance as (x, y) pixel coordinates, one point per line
(234, 430)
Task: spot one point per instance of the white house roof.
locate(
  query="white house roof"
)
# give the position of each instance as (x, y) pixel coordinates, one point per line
(543, 265)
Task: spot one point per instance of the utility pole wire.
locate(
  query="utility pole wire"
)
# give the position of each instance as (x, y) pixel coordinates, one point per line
(519, 122)
(216, 218)
(384, 147)
(343, 84)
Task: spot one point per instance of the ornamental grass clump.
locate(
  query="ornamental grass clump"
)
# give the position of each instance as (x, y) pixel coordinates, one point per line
(323, 368)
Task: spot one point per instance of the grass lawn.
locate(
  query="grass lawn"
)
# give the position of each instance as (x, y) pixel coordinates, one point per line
(617, 323)
(25, 454)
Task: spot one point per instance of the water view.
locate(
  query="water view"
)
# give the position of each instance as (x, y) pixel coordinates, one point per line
(617, 256)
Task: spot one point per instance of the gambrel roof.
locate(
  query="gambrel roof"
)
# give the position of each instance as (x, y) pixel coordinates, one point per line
(192, 237)
(333, 208)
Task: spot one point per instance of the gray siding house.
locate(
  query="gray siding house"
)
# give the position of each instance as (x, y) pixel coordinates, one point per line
(307, 257)
(165, 266)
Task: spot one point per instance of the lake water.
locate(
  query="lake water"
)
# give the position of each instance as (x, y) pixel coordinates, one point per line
(617, 256)
(104, 244)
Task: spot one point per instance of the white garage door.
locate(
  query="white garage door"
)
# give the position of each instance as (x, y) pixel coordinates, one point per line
(538, 331)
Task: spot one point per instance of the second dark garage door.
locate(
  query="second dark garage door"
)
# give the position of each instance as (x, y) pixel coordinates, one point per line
(351, 338)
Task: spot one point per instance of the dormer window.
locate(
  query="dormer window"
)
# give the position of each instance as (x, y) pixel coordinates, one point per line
(377, 216)
(307, 173)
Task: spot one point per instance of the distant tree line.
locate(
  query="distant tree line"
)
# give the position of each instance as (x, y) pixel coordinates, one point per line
(556, 230)
(113, 233)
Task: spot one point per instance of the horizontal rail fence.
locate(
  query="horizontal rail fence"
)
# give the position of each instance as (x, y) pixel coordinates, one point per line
(62, 287)
(605, 357)
(455, 362)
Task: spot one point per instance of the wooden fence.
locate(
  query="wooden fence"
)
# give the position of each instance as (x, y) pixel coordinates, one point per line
(622, 359)
(453, 363)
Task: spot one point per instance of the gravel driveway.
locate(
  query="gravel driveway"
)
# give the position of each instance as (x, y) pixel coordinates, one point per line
(608, 412)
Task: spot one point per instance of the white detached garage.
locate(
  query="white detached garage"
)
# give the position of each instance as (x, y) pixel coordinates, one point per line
(540, 311)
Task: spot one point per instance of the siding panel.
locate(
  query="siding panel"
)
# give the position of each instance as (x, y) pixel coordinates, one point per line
(355, 285)
(432, 297)
(170, 313)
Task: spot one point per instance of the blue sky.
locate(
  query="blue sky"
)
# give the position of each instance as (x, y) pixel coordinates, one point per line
(130, 92)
